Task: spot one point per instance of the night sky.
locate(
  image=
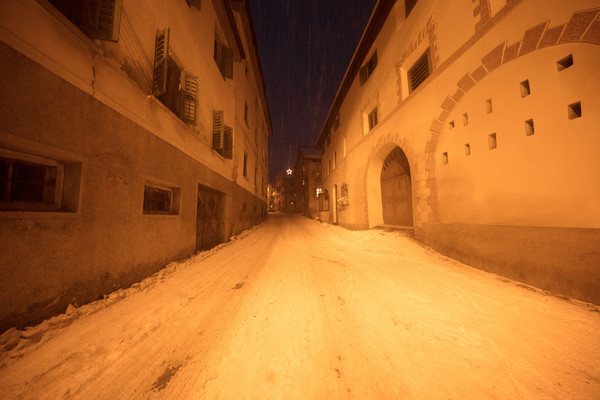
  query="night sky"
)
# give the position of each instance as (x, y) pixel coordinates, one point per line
(305, 47)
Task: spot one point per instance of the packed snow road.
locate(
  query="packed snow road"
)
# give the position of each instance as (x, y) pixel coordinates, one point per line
(295, 309)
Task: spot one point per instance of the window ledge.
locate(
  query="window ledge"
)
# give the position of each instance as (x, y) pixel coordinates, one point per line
(38, 214)
(168, 111)
(161, 215)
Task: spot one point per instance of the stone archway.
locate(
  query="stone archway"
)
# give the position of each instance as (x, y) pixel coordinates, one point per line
(375, 166)
(396, 189)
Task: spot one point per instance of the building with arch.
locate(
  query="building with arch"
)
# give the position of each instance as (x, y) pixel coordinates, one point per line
(474, 122)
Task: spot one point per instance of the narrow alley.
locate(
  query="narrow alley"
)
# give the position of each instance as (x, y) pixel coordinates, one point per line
(295, 309)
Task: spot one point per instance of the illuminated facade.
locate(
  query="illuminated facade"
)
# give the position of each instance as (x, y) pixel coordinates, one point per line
(307, 179)
(474, 123)
(133, 133)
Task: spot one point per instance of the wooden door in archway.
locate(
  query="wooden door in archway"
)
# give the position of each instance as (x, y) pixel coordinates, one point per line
(396, 194)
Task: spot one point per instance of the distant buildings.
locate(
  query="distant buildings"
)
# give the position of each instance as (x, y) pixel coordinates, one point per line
(475, 123)
(307, 181)
(133, 133)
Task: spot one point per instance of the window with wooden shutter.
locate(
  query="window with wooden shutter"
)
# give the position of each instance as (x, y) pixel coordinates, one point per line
(228, 142)
(367, 69)
(98, 19)
(104, 19)
(419, 71)
(189, 97)
(223, 56)
(373, 118)
(218, 131)
(161, 58)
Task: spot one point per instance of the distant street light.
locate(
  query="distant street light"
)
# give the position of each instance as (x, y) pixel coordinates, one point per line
(289, 171)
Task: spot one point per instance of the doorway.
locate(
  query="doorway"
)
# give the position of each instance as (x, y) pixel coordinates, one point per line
(396, 192)
(207, 220)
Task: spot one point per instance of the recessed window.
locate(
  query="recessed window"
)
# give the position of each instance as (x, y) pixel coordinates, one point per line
(194, 3)
(373, 120)
(223, 57)
(98, 19)
(245, 170)
(158, 200)
(529, 127)
(244, 207)
(246, 112)
(564, 63)
(575, 110)
(451, 124)
(525, 89)
(467, 149)
(492, 143)
(174, 87)
(445, 158)
(488, 106)
(367, 69)
(419, 71)
(222, 136)
(465, 119)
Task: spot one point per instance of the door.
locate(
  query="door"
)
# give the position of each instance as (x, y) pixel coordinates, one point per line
(207, 218)
(396, 196)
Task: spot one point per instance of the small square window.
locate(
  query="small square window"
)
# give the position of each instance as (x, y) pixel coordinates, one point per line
(465, 119)
(158, 200)
(373, 119)
(575, 110)
(525, 90)
(467, 149)
(451, 124)
(529, 127)
(445, 158)
(564, 63)
(488, 106)
(492, 143)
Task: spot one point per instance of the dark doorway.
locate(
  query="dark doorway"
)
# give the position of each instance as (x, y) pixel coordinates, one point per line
(207, 221)
(396, 196)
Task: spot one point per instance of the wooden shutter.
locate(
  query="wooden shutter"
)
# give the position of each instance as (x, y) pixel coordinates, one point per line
(228, 142)
(218, 55)
(419, 71)
(104, 19)
(188, 90)
(363, 75)
(372, 62)
(161, 55)
(227, 67)
(218, 130)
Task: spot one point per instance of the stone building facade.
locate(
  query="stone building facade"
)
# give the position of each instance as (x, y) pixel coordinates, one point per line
(474, 122)
(133, 133)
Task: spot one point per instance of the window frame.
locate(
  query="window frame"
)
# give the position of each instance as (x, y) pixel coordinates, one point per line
(173, 199)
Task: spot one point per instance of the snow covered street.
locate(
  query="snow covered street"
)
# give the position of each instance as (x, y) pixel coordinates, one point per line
(295, 309)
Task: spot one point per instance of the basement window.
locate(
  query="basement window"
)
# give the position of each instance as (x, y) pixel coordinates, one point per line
(419, 71)
(525, 89)
(159, 200)
(465, 119)
(529, 127)
(444, 158)
(574, 110)
(492, 143)
(564, 63)
(175, 88)
(98, 19)
(222, 135)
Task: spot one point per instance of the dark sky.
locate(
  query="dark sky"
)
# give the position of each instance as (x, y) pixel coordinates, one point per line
(305, 47)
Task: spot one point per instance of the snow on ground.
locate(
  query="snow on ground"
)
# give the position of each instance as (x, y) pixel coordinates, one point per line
(294, 309)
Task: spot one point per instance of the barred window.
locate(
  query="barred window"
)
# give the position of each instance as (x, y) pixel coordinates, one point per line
(419, 71)
(158, 200)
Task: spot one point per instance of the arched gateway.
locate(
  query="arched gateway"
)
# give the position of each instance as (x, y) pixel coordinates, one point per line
(396, 195)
